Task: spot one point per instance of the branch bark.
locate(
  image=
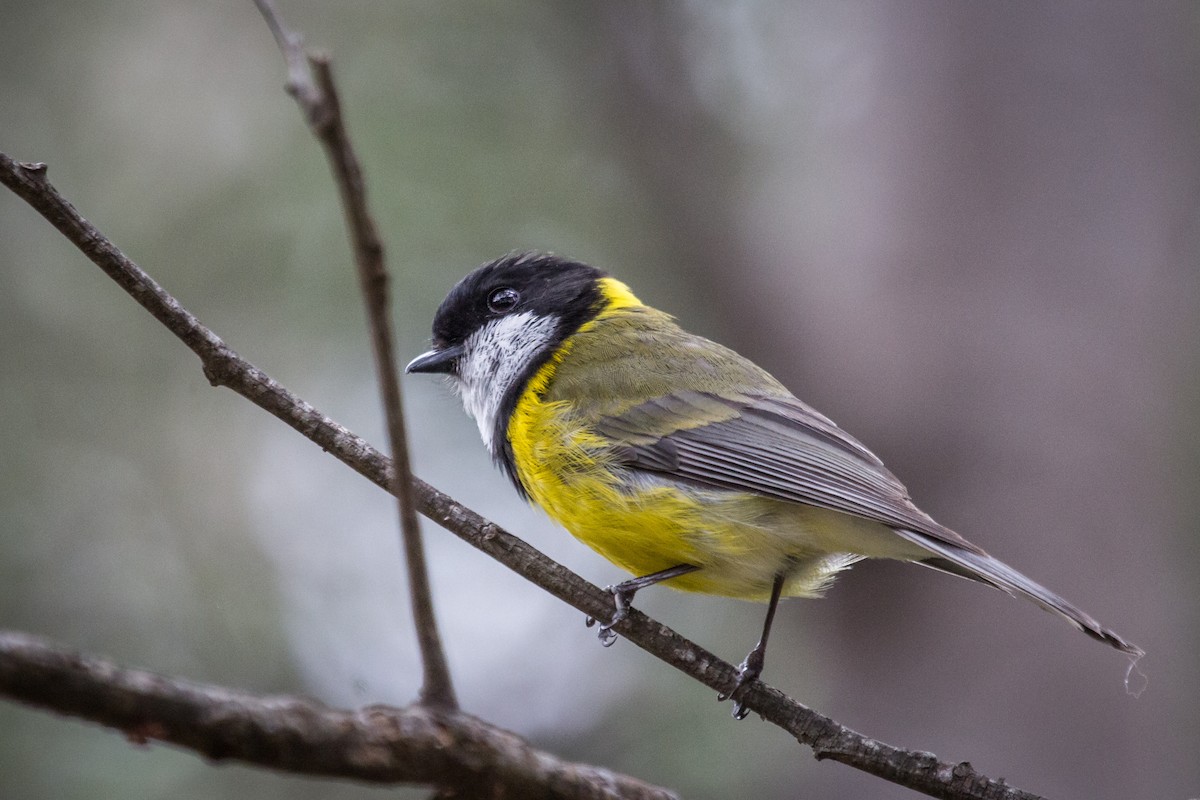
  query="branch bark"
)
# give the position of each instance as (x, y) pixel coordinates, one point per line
(323, 111)
(377, 744)
(920, 771)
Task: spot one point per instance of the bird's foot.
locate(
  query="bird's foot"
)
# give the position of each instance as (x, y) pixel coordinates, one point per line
(622, 597)
(748, 672)
(623, 593)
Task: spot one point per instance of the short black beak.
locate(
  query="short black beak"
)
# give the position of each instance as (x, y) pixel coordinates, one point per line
(444, 361)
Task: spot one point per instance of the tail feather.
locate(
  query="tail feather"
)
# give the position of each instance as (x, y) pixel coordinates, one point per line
(985, 569)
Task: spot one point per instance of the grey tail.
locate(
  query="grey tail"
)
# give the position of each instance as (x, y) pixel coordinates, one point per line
(985, 569)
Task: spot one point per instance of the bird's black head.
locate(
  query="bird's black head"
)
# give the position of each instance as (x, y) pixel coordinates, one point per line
(538, 285)
(499, 326)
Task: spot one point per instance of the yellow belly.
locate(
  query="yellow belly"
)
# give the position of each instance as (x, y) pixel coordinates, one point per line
(739, 540)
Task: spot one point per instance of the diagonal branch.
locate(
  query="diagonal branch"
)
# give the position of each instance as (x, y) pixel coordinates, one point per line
(828, 739)
(378, 744)
(323, 110)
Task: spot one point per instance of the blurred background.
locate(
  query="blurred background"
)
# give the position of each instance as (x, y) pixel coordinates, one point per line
(970, 233)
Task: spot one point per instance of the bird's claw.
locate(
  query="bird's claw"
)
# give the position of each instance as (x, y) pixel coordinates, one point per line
(748, 672)
(605, 633)
(606, 636)
(740, 711)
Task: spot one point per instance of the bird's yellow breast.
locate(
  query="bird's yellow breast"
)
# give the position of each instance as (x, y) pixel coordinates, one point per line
(571, 472)
(568, 472)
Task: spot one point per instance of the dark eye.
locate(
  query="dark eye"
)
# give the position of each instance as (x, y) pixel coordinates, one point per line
(503, 300)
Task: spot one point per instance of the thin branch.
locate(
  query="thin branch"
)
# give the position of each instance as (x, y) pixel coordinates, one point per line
(828, 739)
(323, 110)
(378, 744)
(299, 83)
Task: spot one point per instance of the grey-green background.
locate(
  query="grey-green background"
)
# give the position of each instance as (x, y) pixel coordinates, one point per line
(968, 232)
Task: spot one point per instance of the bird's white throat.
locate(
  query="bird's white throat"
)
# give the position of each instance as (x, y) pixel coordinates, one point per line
(494, 358)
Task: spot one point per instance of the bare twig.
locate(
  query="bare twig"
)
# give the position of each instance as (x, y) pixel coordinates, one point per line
(379, 744)
(323, 110)
(299, 83)
(920, 771)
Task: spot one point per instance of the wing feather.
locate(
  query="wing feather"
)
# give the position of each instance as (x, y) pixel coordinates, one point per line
(776, 446)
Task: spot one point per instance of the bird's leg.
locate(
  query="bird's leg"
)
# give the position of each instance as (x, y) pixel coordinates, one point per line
(623, 593)
(752, 667)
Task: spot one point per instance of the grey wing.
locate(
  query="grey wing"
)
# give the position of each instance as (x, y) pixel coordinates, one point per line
(779, 447)
(775, 446)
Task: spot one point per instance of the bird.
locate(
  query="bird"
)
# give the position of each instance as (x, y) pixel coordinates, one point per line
(674, 457)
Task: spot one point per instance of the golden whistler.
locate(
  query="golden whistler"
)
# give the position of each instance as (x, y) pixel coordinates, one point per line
(676, 458)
